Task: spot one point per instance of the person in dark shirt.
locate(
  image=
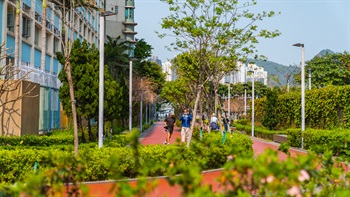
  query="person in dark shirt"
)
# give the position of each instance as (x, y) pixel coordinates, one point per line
(169, 123)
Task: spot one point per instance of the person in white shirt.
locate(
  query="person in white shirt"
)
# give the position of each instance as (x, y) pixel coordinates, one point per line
(214, 122)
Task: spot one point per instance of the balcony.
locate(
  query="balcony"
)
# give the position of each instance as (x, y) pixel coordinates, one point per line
(129, 4)
(130, 21)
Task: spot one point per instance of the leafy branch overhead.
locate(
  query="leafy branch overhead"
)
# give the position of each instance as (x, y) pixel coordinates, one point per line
(217, 34)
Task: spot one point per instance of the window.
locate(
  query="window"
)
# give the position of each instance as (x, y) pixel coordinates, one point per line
(26, 27)
(116, 9)
(129, 14)
(55, 45)
(36, 36)
(11, 19)
(47, 42)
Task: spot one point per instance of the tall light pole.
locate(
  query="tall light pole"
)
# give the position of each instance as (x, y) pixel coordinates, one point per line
(229, 96)
(101, 76)
(141, 106)
(309, 78)
(131, 56)
(245, 90)
(252, 76)
(302, 91)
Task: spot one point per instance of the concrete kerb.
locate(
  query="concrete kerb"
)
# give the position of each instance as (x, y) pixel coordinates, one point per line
(146, 132)
(277, 144)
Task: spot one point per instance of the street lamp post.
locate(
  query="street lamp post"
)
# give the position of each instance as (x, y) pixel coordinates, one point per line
(252, 75)
(302, 91)
(245, 99)
(229, 97)
(101, 76)
(141, 107)
(131, 55)
(309, 78)
(245, 90)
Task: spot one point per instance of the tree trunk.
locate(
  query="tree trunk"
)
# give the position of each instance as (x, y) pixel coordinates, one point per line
(90, 132)
(43, 37)
(194, 116)
(73, 102)
(80, 125)
(17, 34)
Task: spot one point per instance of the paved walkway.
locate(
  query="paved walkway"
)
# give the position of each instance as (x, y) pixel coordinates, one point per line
(156, 135)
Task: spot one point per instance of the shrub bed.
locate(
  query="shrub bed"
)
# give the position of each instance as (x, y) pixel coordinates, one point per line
(259, 132)
(107, 162)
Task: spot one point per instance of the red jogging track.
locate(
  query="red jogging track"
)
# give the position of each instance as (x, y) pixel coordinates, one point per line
(156, 135)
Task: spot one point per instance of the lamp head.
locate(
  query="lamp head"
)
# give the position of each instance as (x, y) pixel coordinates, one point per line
(298, 45)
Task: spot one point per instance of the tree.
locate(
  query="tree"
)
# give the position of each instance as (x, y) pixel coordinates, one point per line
(67, 9)
(177, 93)
(43, 35)
(17, 34)
(238, 89)
(116, 57)
(142, 50)
(85, 69)
(153, 72)
(270, 120)
(330, 69)
(288, 74)
(217, 33)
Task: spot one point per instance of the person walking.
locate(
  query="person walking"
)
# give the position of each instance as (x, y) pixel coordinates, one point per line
(224, 121)
(169, 123)
(214, 122)
(186, 119)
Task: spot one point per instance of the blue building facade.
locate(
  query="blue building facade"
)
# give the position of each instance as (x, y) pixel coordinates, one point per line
(85, 27)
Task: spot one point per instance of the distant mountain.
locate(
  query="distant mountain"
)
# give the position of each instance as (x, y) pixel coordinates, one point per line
(278, 70)
(282, 71)
(324, 52)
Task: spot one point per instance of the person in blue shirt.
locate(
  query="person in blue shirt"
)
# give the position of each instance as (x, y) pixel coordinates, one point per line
(186, 119)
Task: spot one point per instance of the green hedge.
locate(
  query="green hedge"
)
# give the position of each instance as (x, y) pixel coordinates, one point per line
(324, 108)
(61, 141)
(337, 141)
(107, 162)
(34, 140)
(259, 132)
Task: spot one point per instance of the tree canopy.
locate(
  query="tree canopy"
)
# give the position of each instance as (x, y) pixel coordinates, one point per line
(217, 34)
(330, 69)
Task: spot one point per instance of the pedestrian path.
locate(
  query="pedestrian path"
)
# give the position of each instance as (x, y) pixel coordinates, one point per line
(156, 135)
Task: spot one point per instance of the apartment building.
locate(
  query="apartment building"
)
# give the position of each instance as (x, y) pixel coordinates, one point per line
(31, 50)
(170, 74)
(240, 74)
(122, 22)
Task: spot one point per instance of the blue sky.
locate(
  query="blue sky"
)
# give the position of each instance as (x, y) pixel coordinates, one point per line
(319, 24)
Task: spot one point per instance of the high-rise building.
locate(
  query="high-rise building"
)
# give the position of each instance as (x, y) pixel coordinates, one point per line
(122, 23)
(32, 50)
(240, 74)
(156, 60)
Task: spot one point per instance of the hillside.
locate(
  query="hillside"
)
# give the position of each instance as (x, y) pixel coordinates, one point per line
(282, 71)
(279, 70)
